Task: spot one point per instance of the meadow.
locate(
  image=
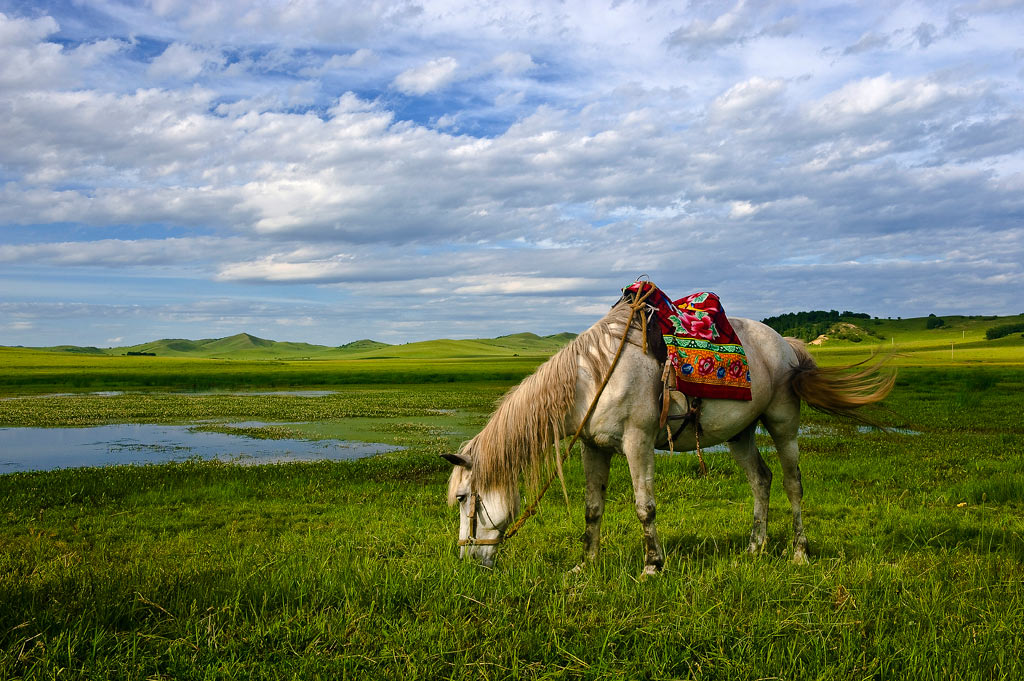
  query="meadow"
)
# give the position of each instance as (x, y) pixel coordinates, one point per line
(343, 570)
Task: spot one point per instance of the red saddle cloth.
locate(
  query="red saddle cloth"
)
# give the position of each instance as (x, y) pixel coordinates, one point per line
(706, 354)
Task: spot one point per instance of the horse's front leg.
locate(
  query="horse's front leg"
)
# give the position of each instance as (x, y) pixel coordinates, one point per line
(596, 464)
(639, 453)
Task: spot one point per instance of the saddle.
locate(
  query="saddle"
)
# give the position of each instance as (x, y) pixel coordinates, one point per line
(697, 340)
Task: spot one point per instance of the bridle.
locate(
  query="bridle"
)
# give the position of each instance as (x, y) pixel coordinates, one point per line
(472, 540)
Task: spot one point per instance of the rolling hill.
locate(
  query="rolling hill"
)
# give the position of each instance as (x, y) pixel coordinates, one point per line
(246, 346)
(918, 335)
(239, 346)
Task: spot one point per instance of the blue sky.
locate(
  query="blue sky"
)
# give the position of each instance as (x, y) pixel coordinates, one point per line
(406, 170)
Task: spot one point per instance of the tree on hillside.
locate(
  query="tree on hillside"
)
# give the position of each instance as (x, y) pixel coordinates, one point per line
(811, 324)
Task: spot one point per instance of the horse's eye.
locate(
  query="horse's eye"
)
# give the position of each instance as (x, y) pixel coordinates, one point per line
(461, 497)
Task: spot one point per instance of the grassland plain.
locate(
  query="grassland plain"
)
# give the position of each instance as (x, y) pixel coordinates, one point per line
(34, 371)
(348, 570)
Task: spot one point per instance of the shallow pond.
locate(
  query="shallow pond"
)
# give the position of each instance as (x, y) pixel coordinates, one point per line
(39, 449)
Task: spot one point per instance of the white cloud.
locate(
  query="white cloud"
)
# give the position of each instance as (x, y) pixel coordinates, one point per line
(700, 38)
(514, 63)
(881, 96)
(18, 32)
(184, 62)
(28, 62)
(741, 209)
(484, 285)
(429, 77)
(361, 58)
(124, 253)
(270, 268)
(749, 96)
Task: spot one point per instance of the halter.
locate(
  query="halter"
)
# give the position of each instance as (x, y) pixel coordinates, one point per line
(472, 540)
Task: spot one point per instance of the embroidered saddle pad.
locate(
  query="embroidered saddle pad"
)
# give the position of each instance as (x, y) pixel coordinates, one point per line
(706, 354)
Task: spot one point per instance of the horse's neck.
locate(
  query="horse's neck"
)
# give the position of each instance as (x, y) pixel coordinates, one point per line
(592, 374)
(547, 406)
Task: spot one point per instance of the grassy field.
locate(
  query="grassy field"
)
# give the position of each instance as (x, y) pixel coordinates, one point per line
(960, 342)
(349, 570)
(36, 371)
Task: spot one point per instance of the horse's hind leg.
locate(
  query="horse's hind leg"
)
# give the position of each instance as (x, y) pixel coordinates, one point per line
(783, 424)
(744, 450)
(596, 464)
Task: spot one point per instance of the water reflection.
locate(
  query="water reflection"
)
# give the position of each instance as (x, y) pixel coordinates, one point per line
(40, 449)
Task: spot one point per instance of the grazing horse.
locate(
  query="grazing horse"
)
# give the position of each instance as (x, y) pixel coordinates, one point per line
(522, 436)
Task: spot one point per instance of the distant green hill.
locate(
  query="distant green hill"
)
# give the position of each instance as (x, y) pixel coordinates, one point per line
(239, 346)
(827, 329)
(362, 345)
(851, 333)
(523, 344)
(921, 341)
(247, 346)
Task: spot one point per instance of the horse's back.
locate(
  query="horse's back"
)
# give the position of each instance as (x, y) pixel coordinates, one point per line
(770, 359)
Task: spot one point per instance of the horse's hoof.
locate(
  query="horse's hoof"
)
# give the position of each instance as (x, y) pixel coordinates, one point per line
(800, 557)
(578, 569)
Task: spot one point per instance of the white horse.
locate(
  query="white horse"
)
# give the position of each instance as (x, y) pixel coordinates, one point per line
(522, 436)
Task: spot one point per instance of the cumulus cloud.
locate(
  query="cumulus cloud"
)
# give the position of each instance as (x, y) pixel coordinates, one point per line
(750, 97)
(883, 96)
(429, 77)
(361, 57)
(25, 32)
(514, 63)
(184, 62)
(30, 62)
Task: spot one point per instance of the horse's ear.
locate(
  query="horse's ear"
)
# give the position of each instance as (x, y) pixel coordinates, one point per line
(458, 460)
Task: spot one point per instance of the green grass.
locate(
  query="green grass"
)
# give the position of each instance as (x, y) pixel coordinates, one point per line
(35, 371)
(349, 570)
(960, 342)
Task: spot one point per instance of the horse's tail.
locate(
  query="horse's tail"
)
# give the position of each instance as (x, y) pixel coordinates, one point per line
(840, 390)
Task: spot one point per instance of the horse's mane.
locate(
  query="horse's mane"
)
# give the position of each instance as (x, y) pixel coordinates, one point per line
(528, 421)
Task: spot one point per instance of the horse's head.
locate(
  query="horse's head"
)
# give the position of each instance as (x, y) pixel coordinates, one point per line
(483, 513)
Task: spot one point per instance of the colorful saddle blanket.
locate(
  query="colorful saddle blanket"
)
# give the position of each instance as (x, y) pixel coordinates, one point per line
(706, 354)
